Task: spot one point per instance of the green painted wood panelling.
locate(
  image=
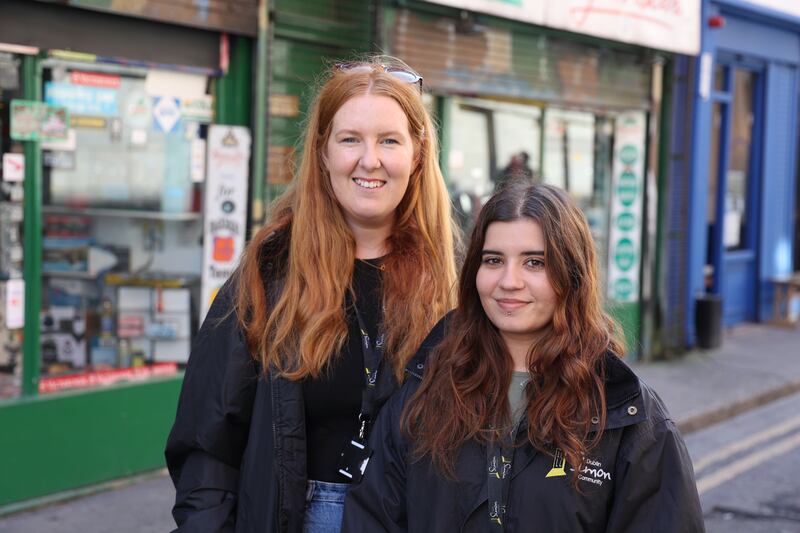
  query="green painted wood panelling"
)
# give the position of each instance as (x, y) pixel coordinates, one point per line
(308, 38)
(628, 316)
(64, 441)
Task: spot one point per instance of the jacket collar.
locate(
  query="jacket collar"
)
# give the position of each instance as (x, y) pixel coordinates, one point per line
(624, 402)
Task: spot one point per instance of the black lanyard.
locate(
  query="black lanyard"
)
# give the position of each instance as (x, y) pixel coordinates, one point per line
(373, 353)
(499, 459)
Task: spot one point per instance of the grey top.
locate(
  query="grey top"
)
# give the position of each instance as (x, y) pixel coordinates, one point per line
(516, 394)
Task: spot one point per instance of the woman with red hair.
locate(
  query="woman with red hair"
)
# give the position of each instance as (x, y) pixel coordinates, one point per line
(311, 335)
(526, 418)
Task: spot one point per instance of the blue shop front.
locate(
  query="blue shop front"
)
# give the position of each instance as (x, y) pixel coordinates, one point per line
(743, 186)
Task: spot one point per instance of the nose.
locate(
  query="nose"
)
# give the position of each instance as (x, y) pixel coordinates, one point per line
(511, 279)
(370, 159)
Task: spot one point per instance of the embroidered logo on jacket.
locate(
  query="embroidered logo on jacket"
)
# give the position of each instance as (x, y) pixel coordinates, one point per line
(558, 465)
(591, 471)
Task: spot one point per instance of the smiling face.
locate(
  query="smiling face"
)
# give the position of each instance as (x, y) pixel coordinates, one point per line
(369, 157)
(512, 282)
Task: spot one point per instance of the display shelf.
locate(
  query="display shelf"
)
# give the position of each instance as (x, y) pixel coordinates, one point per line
(69, 275)
(119, 213)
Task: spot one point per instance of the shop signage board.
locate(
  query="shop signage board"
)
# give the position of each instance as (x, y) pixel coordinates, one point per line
(13, 167)
(672, 25)
(227, 176)
(37, 121)
(627, 186)
(82, 99)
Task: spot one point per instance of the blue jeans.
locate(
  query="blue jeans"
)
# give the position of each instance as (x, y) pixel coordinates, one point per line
(324, 506)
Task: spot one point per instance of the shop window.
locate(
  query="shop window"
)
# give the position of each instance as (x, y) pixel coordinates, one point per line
(491, 141)
(11, 250)
(122, 243)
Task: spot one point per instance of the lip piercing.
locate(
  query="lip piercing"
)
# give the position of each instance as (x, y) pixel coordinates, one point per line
(508, 313)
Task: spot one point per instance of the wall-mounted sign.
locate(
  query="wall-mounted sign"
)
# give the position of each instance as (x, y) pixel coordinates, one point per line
(166, 113)
(13, 167)
(199, 109)
(672, 25)
(82, 99)
(225, 205)
(627, 184)
(36, 121)
(284, 105)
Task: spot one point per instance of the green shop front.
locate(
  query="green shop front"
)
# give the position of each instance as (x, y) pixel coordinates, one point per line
(582, 109)
(118, 128)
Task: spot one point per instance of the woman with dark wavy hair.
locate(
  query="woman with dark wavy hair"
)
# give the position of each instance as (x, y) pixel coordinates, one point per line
(526, 418)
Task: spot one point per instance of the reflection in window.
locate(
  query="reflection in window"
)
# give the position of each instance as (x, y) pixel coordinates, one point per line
(739, 162)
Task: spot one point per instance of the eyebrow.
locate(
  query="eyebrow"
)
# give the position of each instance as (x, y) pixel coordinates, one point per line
(532, 252)
(393, 133)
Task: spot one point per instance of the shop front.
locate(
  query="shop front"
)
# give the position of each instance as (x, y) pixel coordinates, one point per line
(578, 110)
(124, 207)
(744, 167)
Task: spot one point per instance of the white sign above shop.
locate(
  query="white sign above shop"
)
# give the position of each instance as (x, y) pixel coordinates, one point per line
(672, 25)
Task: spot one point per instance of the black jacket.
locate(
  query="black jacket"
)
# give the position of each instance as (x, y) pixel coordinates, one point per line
(639, 479)
(237, 450)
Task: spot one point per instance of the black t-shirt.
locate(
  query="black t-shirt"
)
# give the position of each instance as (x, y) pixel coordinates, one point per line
(333, 401)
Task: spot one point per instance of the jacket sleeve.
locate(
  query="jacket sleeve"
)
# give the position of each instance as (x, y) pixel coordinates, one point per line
(378, 502)
(655, 489)
(207, 441)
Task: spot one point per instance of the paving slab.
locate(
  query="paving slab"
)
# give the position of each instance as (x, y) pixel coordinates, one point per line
(756, 364)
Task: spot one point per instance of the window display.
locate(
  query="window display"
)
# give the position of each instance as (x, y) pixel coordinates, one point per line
(122, 225)
(12, 289)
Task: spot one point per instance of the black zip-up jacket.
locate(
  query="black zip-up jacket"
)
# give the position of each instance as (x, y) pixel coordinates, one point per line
(237, 450)
(639, 479)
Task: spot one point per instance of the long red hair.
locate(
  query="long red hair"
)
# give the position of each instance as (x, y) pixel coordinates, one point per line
(312, 248)
(465, 388)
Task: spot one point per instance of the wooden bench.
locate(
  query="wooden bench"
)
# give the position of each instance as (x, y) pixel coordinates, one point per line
(787, 288)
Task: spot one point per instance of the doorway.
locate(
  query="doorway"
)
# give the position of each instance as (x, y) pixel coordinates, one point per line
(734, 189)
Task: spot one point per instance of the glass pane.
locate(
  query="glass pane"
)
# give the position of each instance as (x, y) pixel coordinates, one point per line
(11, 251)
(122, 226)
(569, 152)
(739, 161)
(719, 78)
(517, 136)
(469, 162)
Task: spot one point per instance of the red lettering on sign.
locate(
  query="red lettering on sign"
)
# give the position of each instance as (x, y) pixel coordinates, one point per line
(109, 81)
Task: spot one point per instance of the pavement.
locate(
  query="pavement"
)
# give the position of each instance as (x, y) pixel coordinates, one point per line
(755, 365)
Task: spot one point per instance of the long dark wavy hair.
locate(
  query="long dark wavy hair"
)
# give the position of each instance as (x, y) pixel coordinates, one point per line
(465, 388)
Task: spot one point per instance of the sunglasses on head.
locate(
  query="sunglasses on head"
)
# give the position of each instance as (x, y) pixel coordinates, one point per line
(396, 72)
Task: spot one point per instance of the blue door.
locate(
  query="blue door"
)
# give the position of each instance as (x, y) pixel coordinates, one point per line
(734, 188)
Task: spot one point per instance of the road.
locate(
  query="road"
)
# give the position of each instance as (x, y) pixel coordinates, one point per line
(748, 470)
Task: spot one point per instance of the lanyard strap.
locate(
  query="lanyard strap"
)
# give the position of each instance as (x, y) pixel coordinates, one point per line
(499, 459)
(373, 353)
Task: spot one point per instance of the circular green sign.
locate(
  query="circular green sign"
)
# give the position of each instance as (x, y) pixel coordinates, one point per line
(627, 188)
(625, 254)
(623, 289)
(626, 221)
(628, 154)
